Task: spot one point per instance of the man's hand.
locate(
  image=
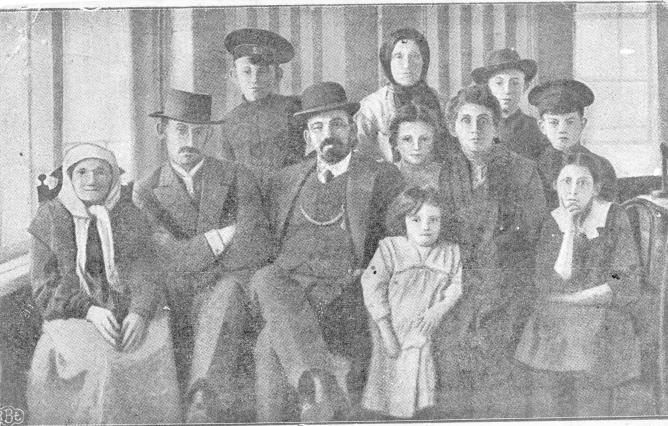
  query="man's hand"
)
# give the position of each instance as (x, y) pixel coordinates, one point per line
(133, 331)
(105, 323)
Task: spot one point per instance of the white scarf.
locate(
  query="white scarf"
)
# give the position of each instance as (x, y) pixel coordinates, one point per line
(82, 215)
(596, 218)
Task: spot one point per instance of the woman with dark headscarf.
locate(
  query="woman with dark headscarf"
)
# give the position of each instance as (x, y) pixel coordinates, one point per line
(404, 57)
(105, 353)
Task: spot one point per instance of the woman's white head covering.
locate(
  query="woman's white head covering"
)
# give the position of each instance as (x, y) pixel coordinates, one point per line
(82, 214)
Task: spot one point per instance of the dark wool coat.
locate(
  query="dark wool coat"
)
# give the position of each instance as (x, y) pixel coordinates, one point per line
(56, 287)
(520, 133)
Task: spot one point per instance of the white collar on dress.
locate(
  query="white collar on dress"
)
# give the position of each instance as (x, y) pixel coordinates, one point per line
(597, 217)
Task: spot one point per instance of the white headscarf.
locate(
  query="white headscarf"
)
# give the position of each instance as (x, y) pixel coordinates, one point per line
(82, 215)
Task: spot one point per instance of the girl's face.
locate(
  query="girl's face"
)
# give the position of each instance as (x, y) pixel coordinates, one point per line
(91, 179)
(406, 62)
(575, 187)
(424, 226)
(415, 142)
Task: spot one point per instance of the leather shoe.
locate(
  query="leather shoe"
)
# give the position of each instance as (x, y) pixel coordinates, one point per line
(321, 397)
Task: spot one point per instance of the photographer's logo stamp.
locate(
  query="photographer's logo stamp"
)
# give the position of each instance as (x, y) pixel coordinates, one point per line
(11, 416)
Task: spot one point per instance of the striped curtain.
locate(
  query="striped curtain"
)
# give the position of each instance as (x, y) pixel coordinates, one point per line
(341, 44)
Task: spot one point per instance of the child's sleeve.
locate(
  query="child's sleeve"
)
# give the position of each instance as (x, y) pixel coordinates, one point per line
(375, 281)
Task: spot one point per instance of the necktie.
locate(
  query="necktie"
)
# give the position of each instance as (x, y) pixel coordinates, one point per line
(327, 176)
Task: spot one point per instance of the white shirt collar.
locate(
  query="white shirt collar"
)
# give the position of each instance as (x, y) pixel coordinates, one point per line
(336, 169)
(597, 217)
(186, 174)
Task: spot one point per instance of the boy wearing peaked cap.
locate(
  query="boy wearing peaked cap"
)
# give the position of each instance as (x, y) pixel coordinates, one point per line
(507, 76)
(561, 105)
(261, 132)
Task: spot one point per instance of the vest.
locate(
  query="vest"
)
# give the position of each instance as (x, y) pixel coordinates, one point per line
(317, 241)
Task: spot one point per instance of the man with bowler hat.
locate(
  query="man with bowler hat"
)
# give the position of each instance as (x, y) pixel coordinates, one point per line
(507, 76)
(327, 214)
(211, 235)
(561, 105)
(261, 133)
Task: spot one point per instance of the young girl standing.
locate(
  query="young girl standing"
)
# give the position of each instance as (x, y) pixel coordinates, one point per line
(412, 282)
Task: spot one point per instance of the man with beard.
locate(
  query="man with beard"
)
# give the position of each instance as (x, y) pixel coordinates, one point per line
(211, 235)
(261, 132)
(327, 214)
(508, 76)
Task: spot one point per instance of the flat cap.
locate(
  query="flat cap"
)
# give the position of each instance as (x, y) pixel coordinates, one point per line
(561, 96)
(254, 42)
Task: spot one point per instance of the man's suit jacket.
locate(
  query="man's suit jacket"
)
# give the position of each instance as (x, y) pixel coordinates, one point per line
(370, 188)
(229, 195)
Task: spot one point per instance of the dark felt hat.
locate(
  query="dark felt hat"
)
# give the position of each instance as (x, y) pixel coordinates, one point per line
(193, 108)
(561, 96)
(504, 59)
(265, 45)
(326, 96)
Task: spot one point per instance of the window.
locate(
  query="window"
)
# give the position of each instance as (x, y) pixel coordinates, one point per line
(615, 54)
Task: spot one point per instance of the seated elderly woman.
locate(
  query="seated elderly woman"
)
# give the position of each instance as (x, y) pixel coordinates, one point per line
(105, 354)
(580, 340)
(414, 131)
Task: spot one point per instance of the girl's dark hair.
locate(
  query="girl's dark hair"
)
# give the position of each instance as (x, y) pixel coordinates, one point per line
(408, 203)
(476, 94)
(386, 49)
(586, 161)
(411, 113)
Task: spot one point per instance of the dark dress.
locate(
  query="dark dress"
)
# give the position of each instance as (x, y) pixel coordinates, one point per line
(497, 226)
(599, 343)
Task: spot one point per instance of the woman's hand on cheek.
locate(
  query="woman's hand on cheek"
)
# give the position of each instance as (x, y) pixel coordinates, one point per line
(105, 323)
(133, 331)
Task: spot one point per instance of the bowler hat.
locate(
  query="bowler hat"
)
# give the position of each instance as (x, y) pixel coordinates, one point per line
(194, 108)
(266, 45)
(504, 59)
(323, 97)
(561, 96)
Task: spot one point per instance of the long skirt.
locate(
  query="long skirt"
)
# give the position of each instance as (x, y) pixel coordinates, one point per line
(77, 377)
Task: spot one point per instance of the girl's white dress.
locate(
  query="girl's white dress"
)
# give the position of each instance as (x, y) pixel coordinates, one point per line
(402, 282)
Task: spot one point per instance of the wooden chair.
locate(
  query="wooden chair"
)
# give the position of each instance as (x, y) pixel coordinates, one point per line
(650, 226)
(44, 193)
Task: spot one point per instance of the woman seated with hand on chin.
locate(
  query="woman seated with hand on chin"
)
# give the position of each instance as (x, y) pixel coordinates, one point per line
(580, 339)
(105, 354)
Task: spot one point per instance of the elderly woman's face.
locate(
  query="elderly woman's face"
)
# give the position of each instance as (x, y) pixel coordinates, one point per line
(406, 62)
(415, 142)
(92, 179)
(474, 127)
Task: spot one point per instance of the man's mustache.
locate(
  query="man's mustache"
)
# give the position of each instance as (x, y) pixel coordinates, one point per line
(188, 150)
(330, 141)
